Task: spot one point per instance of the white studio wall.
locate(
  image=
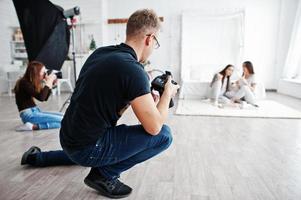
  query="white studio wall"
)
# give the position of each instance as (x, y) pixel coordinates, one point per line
(290, 83)
(268, 24)
(287, 19)
(292, 69)
(8, 21)
(267, 29)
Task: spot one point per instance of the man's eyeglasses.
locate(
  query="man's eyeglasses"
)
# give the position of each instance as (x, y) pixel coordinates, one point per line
(157, 44)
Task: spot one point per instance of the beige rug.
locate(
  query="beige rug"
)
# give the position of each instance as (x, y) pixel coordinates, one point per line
(266, 109)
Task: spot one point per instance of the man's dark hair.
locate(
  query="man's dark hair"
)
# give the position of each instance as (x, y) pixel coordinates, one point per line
(143, 21)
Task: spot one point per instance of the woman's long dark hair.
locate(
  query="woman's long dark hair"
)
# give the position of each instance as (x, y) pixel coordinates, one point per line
(249, 67)
(223, 72)
(32, 75)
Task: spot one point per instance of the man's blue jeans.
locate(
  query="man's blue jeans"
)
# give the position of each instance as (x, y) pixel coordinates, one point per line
(117, 150)
(44, 120)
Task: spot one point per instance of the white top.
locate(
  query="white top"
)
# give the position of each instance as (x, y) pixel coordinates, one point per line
(224, 85)
(250, 80)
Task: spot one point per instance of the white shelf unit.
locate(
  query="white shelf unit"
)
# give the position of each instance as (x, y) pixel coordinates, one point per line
(18, 50)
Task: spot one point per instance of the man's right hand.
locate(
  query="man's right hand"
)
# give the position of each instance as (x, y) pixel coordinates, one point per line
(171, 89)
(153, 117)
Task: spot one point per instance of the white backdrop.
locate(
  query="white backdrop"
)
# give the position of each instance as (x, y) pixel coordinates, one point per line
(210, 41)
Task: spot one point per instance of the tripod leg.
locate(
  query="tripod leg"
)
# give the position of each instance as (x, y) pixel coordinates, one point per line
(66, 101)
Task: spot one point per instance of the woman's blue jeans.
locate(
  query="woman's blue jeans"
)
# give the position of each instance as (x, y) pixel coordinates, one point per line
(117, 150)
(44, 120)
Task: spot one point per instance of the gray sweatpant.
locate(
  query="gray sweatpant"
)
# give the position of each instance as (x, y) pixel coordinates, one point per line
(243, 91)
(215, 92)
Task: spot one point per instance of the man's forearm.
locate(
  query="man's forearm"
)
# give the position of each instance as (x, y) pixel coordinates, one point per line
(163, 106)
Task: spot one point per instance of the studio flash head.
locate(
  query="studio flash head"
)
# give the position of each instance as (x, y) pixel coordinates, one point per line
(70, 13)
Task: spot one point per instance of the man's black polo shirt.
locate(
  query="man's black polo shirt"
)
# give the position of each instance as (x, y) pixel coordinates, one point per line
(110, 78)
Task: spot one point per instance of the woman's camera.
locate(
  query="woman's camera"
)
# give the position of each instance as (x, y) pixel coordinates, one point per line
(56, 72)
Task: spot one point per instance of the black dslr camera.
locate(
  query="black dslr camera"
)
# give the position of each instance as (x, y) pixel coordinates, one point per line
(159, 82)
(57, 73)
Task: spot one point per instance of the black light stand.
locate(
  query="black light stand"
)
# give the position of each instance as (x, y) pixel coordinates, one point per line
(67, 101)
(73, 49)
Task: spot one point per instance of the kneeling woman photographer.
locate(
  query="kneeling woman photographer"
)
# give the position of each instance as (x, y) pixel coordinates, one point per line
(35, 83)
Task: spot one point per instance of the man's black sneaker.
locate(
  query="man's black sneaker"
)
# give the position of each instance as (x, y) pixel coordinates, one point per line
(32, 150)
(110, 188)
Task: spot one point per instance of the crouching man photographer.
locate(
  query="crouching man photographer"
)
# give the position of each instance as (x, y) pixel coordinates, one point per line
(31, 86)
(111, 79)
